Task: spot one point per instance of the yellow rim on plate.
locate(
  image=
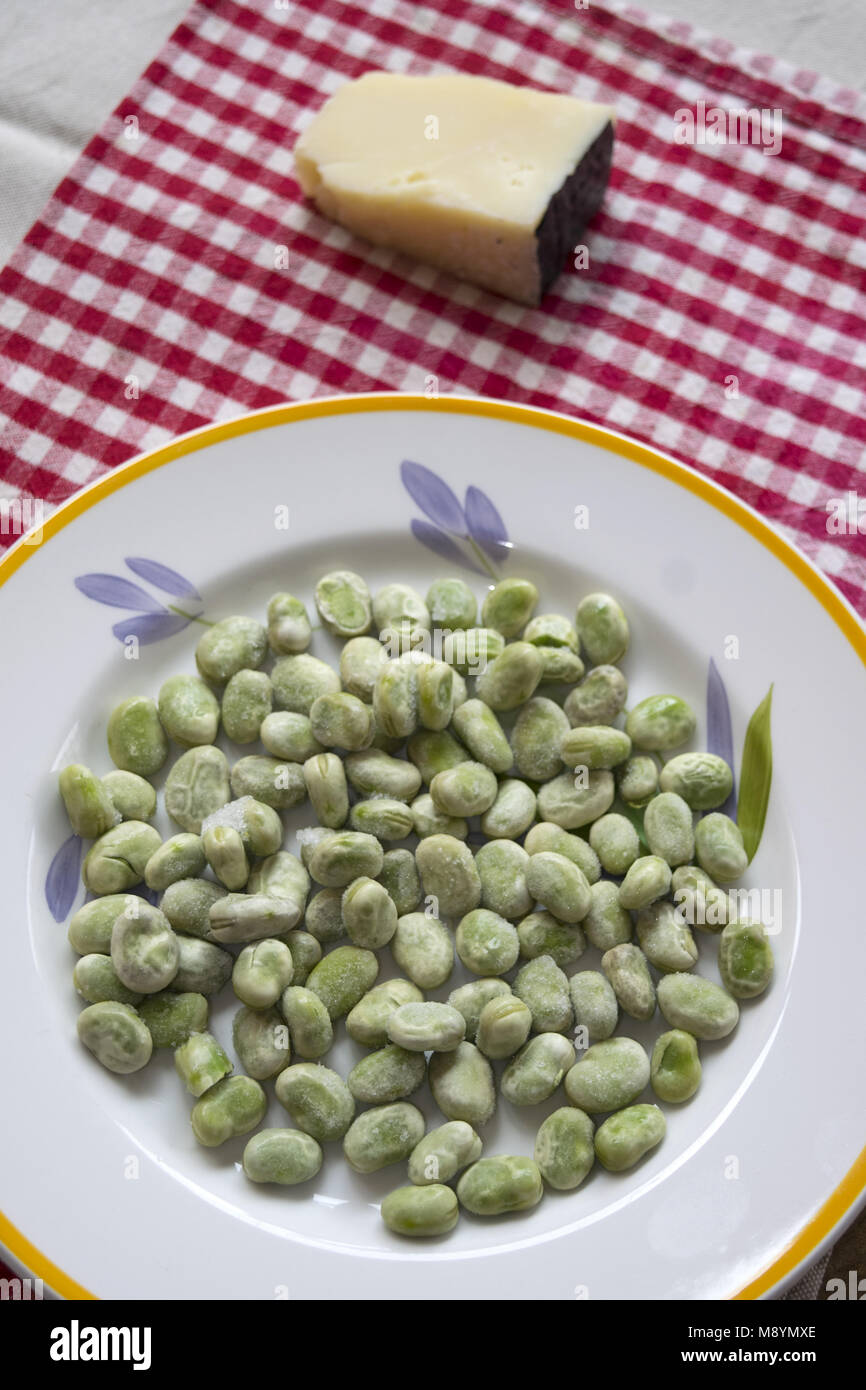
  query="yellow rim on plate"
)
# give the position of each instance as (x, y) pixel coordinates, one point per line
(853, 1185)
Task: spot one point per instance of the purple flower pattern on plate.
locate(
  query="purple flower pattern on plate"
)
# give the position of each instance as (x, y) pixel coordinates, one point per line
(153, 620)
(472, 535)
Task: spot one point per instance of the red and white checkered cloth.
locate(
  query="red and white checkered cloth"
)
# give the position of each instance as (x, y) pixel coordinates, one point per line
(145, 301)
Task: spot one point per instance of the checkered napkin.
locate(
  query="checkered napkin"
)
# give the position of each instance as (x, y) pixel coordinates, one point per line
(720, 316)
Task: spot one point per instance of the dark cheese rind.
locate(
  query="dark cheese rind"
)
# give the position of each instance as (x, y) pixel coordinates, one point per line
(572, 207)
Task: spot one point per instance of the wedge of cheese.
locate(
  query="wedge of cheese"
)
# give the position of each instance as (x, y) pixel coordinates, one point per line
(491, 182)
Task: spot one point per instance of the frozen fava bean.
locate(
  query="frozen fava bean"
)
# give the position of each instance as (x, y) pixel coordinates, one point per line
(599, 698)
(647, 879)
(232, 645)
(698, 901)
(427, 820)
(503, 1027)
(200, 1063)
(325, 779)
(283, 1156)
(509, 605)
(496, 1186)
(537, 1070)
(426, 1027)
(675, 1067)
(289, 736)
(664, 939)
(289, 629)
(187, 904)
(171, 1018)
(483, 735)
(471, 999)
(275, 784)
(203, 968)
(224, 851)
(382, 1136)
(669, 829)
(197, 786)
(540, 934)
(399, 875)
(310, 1029)
(637, 779)
(466, 790)
(374, 772)
(448, 874)
(175, 859)
(616, 842)
(460, 693)
(628, 972)
(280, 875)
(344, 604)
(719, 847)
(323, 918)
(609, 1075)
(318, 1100)
(116, 1036)
(341, 721)
(360, 662)
(624, 1138)
(545, 837)
(703, 780)
(343, 977)
(299, 680)
(594, 746)
(382, 817)
(395, 699)
(309, 838)
(559, 885)
(556, 639)
(96, 980)
(501, 867)
(511, 678)
(422, 947)
(512, 812)
(471, 650)
(229, 1109)
(367, 1023)
(602, 629)
(463, 1085)
(594, 1003)
(452, 605)
(88, 802)
(261, 1040)
(188, 711)
(435, 751)
(132, 797)
(536, 738)
(420, 1211)
(660, 722)
(486, 943)
(348, 855)
(116, 861)
(388, 1074)
(246, 703)
(435, 694)
(241, 917)
(573, 800)
(698, 1006)
(399, 613)
(607, 923)
(306, 952)
(745, 958)
(544, 990)
(369, 914)
(440, 1155)
(144, 949)
(261, 973)
(136, 738)
(564, 1149)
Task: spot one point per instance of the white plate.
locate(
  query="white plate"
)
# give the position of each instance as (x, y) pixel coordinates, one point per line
(103, 1186)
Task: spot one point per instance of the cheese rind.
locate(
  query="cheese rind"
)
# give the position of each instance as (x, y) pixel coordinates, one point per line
(491, 182)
